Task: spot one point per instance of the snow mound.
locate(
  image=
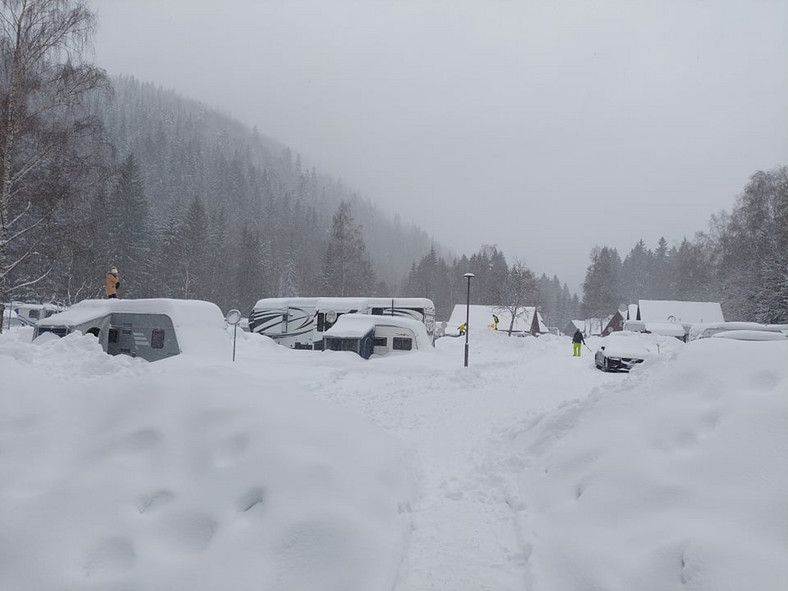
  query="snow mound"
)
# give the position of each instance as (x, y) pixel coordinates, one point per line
(118, 474)
(671, 478)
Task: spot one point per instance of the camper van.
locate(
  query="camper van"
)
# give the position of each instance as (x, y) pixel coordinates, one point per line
(367, 334)
(29, 314)
(151, 329)
(300, 323)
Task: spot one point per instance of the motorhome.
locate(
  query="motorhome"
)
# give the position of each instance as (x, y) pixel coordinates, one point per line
(300, 323)
(29, 314)
(151, 329)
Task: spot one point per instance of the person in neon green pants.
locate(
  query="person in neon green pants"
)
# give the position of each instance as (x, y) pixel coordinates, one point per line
(577, 342)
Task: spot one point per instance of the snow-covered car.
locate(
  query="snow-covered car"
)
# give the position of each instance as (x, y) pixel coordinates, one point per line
(623, 350)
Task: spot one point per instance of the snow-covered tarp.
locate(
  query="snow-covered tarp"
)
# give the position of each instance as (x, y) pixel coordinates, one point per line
(678, 311)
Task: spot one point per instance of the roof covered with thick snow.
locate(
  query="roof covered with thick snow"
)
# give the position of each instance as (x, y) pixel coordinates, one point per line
(351, 326)
(358, 325)
(199, 325)
(481, 316)
(677, 311)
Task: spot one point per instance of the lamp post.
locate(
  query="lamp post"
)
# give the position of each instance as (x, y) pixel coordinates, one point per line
(468, 276)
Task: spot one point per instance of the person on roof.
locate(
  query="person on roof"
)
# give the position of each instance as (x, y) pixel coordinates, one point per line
(462, 329)
(495, 322)
(577, 342)
(113, 283)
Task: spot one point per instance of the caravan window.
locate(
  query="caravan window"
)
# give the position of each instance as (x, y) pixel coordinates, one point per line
(33, 314)
(59, 331)
(402, 344)
(380, 342)
(112, 337)
(157, 338)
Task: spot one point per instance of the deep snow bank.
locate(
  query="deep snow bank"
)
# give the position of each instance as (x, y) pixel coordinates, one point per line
(119, 474)
(676, 478)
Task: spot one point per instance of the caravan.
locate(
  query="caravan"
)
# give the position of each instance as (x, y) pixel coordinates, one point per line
(300, 323)
(151, 329)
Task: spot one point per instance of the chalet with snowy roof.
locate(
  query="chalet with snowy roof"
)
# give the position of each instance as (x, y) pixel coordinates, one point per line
(686, 313)
(529, 320)
(615, 323)
(574, 325)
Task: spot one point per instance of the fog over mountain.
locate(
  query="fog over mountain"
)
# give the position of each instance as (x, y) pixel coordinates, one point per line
(544, 128)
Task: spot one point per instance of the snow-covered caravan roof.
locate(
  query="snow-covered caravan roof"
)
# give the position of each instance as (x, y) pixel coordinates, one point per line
(351, 326)
(281, 303)
(342, 304)
(668, 329)
(677, 311)
(481, 315)
(425, 303)
(199, 325)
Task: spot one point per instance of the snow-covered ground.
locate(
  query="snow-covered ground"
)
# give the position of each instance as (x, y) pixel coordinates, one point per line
(300, 470)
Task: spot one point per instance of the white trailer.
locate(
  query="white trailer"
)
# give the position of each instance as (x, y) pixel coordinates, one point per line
(299, 323)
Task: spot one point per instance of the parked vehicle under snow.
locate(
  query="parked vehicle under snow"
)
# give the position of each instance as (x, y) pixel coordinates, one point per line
(152, 329)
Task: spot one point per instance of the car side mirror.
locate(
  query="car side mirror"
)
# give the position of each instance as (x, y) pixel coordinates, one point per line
(602, 348)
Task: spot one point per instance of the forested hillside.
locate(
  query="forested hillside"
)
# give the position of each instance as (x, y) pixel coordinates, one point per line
(190, 203)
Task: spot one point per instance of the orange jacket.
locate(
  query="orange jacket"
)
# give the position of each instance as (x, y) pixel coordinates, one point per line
(113, 282)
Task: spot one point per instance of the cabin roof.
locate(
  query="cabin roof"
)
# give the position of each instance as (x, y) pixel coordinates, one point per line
(678, 311)
(481, 316)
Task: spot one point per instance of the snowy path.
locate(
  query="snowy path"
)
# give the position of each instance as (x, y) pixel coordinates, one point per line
(464, 526)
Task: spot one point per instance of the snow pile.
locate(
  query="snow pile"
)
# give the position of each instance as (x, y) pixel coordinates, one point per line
(676, 480)
(307, 470)
(186, 476)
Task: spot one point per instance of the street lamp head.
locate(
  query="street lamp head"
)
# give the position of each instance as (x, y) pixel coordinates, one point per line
(469, 275)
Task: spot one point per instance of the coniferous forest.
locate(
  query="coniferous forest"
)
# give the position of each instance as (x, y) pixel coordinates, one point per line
(188, 203)
(741, 261)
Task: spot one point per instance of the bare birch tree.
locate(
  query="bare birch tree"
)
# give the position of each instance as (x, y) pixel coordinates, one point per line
(44, 130)
(520, 288)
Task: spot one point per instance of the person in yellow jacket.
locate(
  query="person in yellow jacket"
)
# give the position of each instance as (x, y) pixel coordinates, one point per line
(462, 329)
(113, 283)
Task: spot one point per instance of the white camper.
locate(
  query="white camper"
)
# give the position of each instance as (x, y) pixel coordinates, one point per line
(300, 323)
(367, 334)
(151, 329)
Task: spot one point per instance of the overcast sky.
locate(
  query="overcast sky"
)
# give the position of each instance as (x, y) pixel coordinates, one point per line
(543, 126)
